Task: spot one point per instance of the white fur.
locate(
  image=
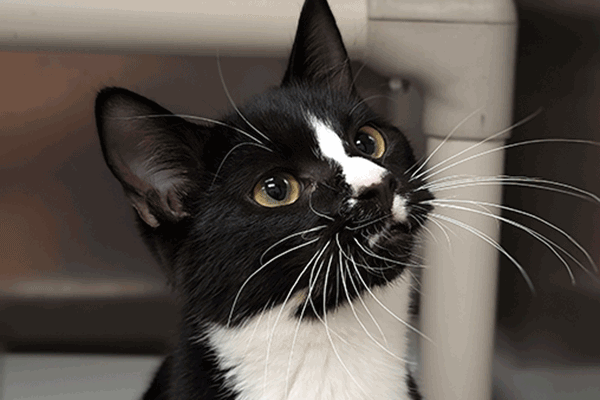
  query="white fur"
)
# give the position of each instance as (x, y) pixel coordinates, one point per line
(273, 357)
(359, 172)
(399, 211)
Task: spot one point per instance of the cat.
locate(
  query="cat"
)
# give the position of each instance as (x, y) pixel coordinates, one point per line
(287, 229)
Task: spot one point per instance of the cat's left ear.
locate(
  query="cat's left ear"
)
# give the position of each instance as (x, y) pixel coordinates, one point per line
(318, 55)
(153, 153)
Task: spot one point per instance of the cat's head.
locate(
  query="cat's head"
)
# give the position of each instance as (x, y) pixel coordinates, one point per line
(302, 187)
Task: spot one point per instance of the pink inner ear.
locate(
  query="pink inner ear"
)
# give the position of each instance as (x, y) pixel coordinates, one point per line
(141, 206)
(150, 184)
(175, 204)
(151, 152)
(166, 186)
(169, 201)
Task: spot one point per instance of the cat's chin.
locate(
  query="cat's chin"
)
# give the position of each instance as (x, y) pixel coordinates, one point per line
(376, 239)
(387, 235)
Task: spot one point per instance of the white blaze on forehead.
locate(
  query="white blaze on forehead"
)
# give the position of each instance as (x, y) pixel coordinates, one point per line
(358, 171)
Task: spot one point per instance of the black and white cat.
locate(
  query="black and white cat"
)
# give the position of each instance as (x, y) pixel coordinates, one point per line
(287, 228)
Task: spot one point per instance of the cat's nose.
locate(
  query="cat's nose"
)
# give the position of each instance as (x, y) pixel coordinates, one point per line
(381, 192)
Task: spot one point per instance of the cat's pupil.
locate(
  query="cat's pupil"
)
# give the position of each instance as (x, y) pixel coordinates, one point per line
(276, 188)
(365, 143)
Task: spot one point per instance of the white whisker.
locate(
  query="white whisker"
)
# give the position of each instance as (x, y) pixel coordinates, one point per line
(233, 103)
(229, 153)
(372, 254)
(409, 326)
(417, 283)
(427, 173)
(522, 181)
(317, 213)
(442, 229)
(287, 374)
(403, 322)
(256, 325)
(193, 118)
(347, 257)
(371, 222)
(491, 242)
(314, 259)
(549, 243)
(335, 351)
(448, 136)
(357, 74)
(293, 235)
(263, 266)
(506, 147)
(372, 318)
(366, 99)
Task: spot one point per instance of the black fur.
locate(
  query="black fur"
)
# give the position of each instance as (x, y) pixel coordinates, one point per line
(192, 187)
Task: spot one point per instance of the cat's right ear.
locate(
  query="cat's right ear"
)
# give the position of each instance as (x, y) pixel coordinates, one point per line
(153, 153)
(318, 55)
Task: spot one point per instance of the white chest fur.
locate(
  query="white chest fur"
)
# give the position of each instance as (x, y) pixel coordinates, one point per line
(346, 356)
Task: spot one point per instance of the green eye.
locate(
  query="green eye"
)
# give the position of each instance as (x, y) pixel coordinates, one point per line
(276, 191)
(370, 142)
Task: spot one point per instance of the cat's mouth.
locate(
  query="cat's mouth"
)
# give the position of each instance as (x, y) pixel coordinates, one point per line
(374, 229)
(386, 233)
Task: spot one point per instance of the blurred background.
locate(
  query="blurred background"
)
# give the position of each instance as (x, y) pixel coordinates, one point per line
(75, 277)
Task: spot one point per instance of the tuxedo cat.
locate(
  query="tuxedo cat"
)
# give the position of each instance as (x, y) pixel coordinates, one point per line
(287, 229)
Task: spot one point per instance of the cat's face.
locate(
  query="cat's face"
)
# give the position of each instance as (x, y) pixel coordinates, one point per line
(301, 194)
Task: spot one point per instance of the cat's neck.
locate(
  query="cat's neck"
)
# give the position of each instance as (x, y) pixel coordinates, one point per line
(343, 356)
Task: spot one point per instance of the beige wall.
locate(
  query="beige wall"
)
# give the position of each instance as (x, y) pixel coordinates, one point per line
(61, 212)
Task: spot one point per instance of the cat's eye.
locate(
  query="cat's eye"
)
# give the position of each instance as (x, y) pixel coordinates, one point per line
(370, 142)
(277, 190)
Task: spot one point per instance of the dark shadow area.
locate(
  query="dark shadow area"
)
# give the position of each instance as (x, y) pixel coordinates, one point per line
(558, 71)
